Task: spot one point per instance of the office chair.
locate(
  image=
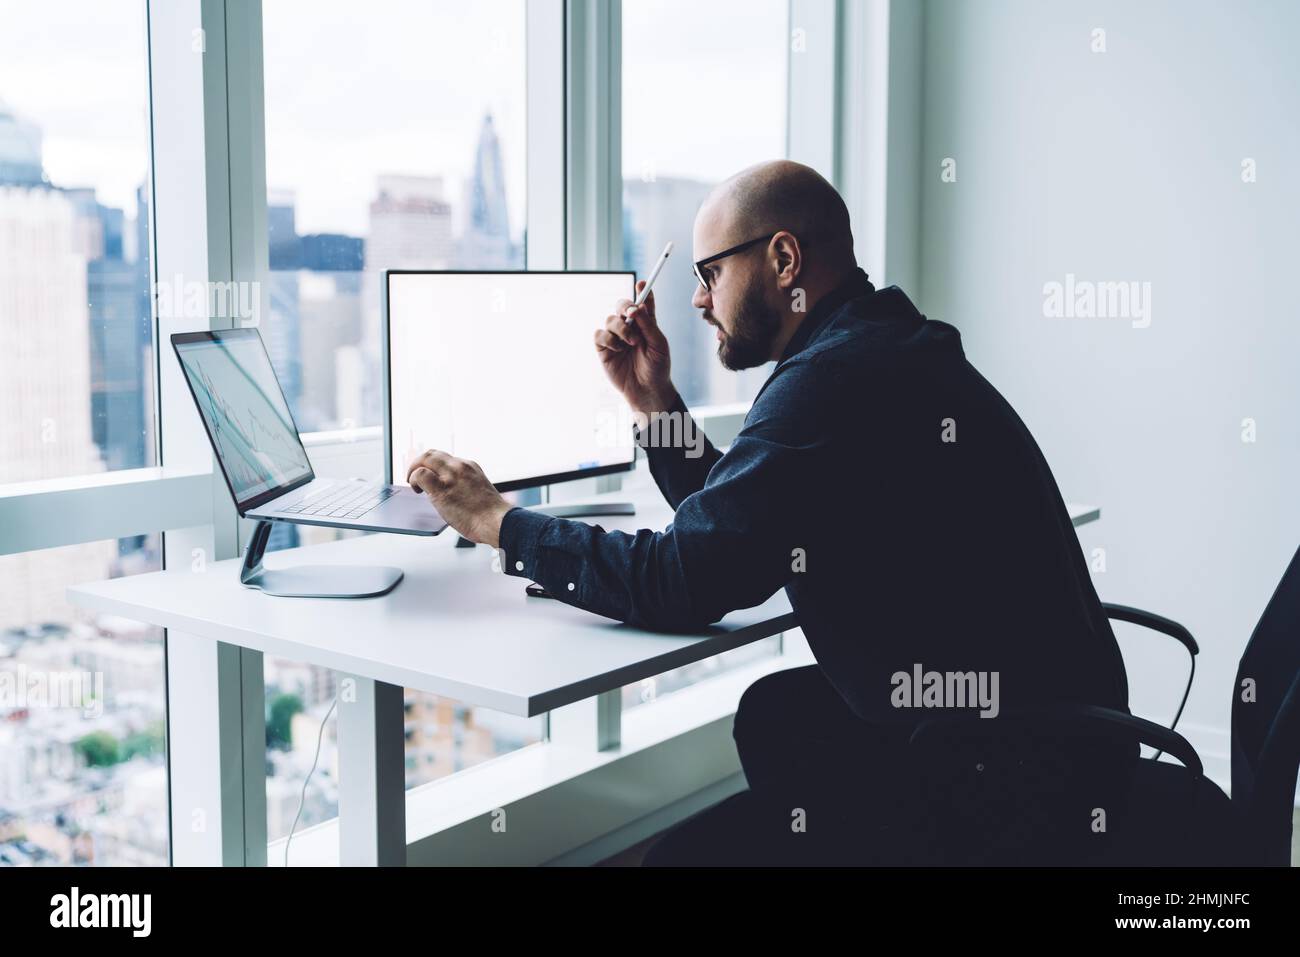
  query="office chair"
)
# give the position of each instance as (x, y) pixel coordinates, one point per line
(1062, 785)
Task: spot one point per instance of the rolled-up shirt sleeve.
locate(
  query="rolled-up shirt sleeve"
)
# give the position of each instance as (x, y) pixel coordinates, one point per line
(730, 545)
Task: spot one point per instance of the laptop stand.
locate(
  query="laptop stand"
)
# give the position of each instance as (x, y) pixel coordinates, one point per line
(312, 581)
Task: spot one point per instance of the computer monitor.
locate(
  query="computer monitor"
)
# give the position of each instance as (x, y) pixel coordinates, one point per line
(500, 368)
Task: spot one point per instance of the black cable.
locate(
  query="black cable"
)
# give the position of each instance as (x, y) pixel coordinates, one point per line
(1186, 691)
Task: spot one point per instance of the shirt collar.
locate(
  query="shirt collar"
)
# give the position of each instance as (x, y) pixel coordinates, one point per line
(854, 285)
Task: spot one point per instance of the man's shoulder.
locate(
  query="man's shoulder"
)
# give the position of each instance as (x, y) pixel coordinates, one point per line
(883, 325)
(869, 349)
(854, 345)
(805, 394)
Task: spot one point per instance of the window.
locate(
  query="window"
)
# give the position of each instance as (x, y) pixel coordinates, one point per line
(83, 777)
(649, 689)
(442, 737)
(76, 331)
(394, 140)
(704, 96)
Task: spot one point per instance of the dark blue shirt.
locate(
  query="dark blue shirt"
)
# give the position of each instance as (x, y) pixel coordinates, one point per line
(893, 493)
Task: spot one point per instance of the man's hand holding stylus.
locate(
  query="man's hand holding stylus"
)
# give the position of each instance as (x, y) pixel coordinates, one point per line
(634, 353)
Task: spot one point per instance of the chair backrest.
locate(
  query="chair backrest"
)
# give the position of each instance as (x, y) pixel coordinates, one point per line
(1266, 723)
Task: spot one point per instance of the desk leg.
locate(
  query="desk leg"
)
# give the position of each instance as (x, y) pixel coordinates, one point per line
(372, 774)
(595, 724)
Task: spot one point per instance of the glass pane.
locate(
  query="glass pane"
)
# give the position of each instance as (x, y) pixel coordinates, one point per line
(83, 776)
(406, 152)
(76, 333)
(443, 736)
(394, 140)
(704, 96)
(650, 689)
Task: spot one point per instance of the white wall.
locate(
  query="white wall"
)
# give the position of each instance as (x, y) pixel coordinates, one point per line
(1126, 165)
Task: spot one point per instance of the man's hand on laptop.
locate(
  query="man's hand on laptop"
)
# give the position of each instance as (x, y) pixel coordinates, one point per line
(461, 493)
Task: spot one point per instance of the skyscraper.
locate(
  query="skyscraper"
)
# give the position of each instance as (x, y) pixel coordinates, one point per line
(44, 331)
(314, 296)
(121, 332)
(410, 224)
(45, 364)
(485, 242)
(20, 150)
(410, 228)
(282, 331)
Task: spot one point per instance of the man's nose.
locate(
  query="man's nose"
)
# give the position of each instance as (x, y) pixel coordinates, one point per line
(701, 299)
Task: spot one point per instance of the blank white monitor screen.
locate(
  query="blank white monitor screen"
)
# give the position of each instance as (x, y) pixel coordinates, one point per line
(501, 368)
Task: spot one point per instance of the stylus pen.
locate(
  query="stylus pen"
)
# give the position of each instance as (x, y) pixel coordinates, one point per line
(654, 274)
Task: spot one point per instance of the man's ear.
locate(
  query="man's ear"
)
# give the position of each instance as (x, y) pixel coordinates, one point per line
(789, 259)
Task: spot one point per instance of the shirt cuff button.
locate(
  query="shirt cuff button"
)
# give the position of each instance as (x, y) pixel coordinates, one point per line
(570, 586)
(519, 566)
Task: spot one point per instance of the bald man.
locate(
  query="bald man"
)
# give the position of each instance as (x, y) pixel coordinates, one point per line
(878, 478)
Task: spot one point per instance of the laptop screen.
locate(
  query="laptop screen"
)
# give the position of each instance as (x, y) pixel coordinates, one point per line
(244, 410)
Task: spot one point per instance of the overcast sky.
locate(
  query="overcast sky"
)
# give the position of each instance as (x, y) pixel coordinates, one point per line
(76, 68)
(355, 88)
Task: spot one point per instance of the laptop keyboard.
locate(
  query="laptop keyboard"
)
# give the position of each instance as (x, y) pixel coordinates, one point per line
(347, 502)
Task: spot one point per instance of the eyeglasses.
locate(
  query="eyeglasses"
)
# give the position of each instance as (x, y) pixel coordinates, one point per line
(698, 268)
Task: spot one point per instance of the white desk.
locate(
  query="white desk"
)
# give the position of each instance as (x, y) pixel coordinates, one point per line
(452, 627)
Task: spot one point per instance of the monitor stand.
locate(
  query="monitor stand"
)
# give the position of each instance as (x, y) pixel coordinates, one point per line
(312, 581)
(581, 509)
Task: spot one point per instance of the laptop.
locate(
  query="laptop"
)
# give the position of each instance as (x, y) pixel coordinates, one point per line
(261, 455)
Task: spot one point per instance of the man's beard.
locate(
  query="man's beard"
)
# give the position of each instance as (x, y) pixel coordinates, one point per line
(749, 344)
